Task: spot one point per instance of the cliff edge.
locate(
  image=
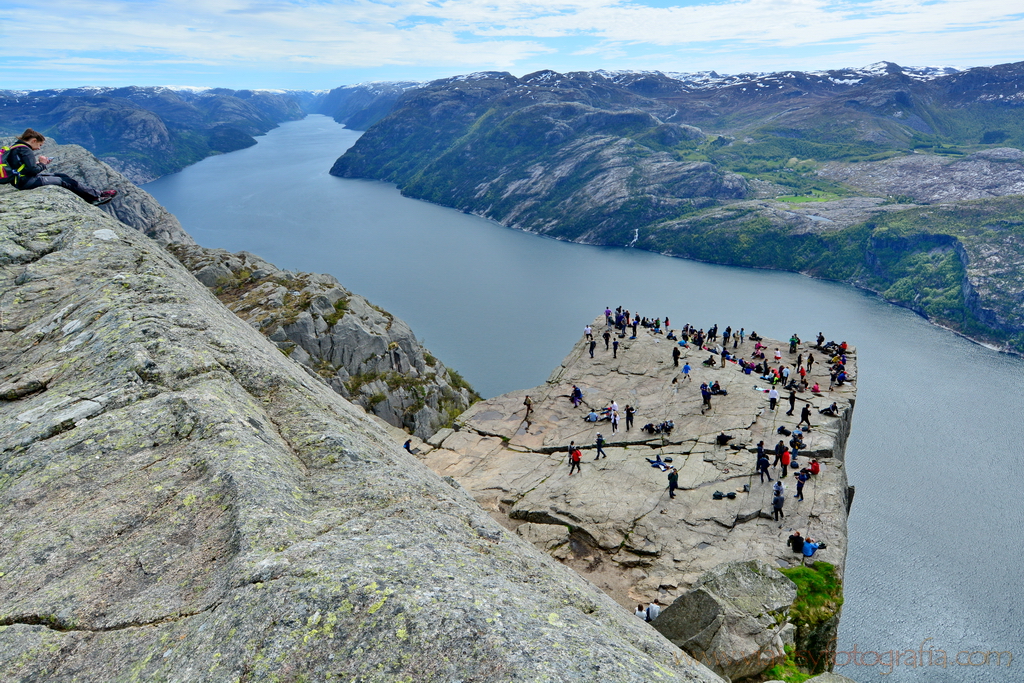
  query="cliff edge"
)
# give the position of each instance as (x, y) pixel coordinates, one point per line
(179, 501)
(614, 521)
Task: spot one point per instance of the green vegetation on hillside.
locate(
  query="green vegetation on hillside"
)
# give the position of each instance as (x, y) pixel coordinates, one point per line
(912, 257)
(581, 158)
(819, 597)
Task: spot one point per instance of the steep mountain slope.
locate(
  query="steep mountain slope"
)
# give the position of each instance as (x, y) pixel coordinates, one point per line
(792, 170)
(360, 106)
(147, 132)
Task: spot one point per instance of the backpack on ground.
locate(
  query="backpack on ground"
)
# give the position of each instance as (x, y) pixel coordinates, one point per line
(8, 174)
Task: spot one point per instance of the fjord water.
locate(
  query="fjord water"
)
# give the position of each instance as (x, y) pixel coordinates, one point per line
(936, 526)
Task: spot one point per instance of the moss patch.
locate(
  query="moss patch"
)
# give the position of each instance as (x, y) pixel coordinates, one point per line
(819, 593)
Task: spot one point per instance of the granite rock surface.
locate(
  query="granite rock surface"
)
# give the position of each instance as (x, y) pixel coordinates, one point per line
(734, 619)
(363, 352)
(180, 502)
(625, 533)
(133, 206)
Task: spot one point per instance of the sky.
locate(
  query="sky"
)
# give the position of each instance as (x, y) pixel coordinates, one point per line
(321, 44)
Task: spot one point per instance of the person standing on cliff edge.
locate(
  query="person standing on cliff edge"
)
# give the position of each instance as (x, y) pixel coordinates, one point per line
(27, 170)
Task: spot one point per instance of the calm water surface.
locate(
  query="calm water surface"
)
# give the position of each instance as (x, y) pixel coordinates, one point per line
(936, 528)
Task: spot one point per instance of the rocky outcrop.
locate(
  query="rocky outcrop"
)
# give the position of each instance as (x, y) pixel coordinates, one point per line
(932, 179)
(363, 352)
(133, 206)
(734, 618)
(180, 502)
(614, 522)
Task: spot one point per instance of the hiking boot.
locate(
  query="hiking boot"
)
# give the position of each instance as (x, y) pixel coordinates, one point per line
(101, 201)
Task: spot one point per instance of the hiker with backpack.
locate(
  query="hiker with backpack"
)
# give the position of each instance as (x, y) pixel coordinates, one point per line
(25, 170)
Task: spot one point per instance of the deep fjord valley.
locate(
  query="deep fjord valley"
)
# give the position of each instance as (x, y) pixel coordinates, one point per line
(917, 200)
(521, 301)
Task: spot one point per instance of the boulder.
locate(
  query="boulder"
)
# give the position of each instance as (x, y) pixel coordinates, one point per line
(733, 619)
(830, 677)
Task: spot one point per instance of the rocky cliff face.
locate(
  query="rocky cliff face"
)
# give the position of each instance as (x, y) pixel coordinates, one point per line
(363, 352)
(614, 522)
(179, 501)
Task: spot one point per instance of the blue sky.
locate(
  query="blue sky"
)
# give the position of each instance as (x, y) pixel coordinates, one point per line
(318, 44)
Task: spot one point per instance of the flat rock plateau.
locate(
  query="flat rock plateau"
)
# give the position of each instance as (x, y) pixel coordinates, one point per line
(614, 522)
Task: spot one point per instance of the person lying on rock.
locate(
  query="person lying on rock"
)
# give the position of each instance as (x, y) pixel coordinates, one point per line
(28, 170)
(831, 411)
(657, 462)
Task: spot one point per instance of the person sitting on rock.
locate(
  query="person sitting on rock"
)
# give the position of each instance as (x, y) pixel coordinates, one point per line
(592, 416)
(710, 362)
(28, 170)
(796, 542)
(717, 390)
(810, 547)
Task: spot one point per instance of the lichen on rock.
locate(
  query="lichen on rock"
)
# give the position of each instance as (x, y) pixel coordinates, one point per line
(178, 501)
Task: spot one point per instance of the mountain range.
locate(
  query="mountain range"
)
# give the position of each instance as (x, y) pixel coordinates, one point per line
(908, 181)
(905, 181)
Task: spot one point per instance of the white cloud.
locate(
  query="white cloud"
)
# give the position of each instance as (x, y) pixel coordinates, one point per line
(465, 35)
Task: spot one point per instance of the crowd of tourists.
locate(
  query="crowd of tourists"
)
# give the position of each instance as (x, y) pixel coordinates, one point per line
(724, 348)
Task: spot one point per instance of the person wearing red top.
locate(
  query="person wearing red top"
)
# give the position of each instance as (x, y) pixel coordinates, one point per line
(815, 467)
(785, 463)
(574, 460)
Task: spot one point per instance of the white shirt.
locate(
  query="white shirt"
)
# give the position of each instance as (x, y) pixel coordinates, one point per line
(772, 393)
